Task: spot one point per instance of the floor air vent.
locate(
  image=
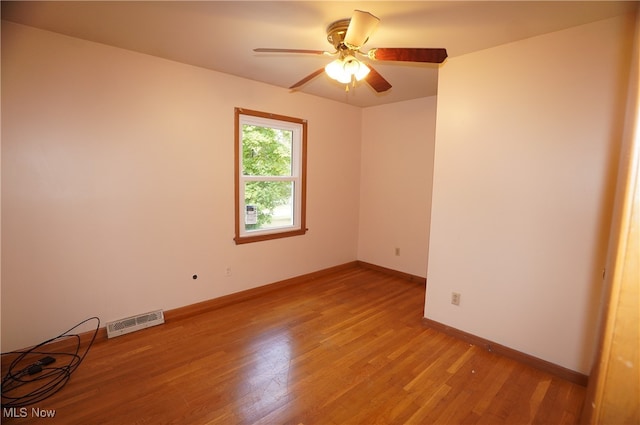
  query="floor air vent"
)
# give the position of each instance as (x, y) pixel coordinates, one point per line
(134, 323)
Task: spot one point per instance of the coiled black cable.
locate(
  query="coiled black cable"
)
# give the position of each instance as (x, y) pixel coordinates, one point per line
(26, 385)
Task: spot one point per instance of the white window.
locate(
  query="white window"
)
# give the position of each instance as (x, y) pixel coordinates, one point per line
(270, 174)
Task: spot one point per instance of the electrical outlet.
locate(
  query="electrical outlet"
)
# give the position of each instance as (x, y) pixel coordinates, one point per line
(398, 252)
(455, 298)
(227, 271)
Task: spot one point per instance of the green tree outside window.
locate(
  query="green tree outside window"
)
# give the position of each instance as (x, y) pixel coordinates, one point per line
(266, 152)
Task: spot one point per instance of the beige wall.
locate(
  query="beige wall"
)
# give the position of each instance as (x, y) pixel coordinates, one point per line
(117, 185)
(527, 142)
(395, 184)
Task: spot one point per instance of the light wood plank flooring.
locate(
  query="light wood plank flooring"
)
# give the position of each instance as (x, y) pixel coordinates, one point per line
(347, 348)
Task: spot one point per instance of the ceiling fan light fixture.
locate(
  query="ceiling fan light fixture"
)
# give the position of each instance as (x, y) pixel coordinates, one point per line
(344, 69)
(336, 71)
(361, 70)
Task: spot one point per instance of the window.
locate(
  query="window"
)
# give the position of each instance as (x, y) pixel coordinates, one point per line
(270, 174)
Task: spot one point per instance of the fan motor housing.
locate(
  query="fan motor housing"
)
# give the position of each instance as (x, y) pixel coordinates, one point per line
(336, 32)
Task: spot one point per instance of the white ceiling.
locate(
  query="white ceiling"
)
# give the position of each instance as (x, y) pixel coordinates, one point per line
(220, 35)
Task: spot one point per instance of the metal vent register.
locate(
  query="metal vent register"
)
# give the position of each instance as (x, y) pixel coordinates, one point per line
(134, 323)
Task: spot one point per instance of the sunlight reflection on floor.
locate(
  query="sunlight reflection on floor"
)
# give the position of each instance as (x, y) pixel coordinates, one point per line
(267, 378)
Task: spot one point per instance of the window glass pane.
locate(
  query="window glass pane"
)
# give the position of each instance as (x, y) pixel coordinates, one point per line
(268, 204)
(266, 151)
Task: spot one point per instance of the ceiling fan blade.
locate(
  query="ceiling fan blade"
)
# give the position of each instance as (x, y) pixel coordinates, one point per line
(377, 81)
(307, 78)
(270, 50)
(408, 54)
(360, 28)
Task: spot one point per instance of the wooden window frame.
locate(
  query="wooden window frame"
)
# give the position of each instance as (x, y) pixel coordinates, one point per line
(277, 233)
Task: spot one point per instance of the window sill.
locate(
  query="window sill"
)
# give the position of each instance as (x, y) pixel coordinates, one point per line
(268, 236)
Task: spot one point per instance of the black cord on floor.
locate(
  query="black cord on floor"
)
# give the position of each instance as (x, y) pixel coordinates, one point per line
(25, 385)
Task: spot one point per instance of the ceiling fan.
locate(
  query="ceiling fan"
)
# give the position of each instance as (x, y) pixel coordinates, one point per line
(347, 37)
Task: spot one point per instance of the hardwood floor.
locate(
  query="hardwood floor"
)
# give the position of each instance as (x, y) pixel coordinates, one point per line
(347, 348)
